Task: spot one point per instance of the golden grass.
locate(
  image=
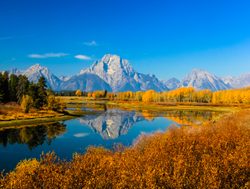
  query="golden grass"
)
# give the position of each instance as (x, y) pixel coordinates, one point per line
(154, 105)
(13, 111)
(215, 155)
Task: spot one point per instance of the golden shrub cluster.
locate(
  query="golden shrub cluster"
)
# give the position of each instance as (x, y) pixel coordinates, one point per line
(97, 94)
(215, 155)
(78, 93)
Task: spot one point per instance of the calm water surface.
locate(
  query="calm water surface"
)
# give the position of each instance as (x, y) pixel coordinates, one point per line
(106, 128)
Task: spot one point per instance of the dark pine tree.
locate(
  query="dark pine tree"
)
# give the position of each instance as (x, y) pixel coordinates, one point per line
(13, 82)
(33, 92)
(42, 92)
(22, 87)
(1, 87)
(5, 87)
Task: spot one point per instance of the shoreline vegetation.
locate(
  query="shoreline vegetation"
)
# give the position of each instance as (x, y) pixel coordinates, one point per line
(16, 118)
(13, 115)
(214, 155)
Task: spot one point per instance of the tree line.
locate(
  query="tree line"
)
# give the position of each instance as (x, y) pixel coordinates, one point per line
(184, 94)
(19, 89)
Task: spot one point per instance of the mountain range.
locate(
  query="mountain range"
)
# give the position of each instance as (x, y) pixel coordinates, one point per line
(113, 73)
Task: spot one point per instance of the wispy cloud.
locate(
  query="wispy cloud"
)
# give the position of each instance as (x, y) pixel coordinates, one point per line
(82, 57)
(91, 43)
(47, 55)
(80, 135)
(5, 38)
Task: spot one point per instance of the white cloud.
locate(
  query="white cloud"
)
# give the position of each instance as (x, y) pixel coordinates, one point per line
(82, 57)
(80, 135)
(91, 43)
(47, 55)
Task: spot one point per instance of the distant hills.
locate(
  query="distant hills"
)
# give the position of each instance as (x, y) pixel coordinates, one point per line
(114, 73)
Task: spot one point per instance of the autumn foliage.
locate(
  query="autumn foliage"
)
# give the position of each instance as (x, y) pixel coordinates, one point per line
(186, 94)
(215, 155)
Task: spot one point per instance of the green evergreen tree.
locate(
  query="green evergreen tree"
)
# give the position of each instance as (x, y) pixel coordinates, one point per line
(13, 82)
(22, 87)
(33, 93)
(5, 87)
(1, 88)
(42, 92)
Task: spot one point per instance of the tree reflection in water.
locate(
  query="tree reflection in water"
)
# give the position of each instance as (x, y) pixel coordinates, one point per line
(32, 136)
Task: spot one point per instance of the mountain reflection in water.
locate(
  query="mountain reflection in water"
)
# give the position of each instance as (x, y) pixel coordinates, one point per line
(112, 123)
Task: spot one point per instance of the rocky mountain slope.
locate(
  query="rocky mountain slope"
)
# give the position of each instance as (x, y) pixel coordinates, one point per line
(238, 82)
(201, 79)
(36, 71)
(121, 76)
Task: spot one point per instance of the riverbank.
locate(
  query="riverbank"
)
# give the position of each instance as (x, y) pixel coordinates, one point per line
(154, 106)
(12, 115)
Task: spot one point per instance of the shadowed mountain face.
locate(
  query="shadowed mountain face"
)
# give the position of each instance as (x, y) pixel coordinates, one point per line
(172, 83)
(112, 123)
(86, 82)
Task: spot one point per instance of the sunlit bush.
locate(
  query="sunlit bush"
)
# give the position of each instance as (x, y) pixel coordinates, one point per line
(26, 103)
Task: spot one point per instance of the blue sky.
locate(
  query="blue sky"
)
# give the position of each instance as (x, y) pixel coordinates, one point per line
(166, 38)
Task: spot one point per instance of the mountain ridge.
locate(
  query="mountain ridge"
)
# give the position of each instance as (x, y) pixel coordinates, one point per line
(121, 76)
(113, 73)
(201, 79)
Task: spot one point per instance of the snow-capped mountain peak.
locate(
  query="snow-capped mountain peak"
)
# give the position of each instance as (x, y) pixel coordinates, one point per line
(201, 79)
(36, 71)
(238, 82)
(37, 68)
(121, 76)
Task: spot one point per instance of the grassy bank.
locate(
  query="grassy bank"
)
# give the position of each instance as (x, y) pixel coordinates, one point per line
(12, 115)
(34, 121)
(215, 155)
(176, 106)
(155, 106)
